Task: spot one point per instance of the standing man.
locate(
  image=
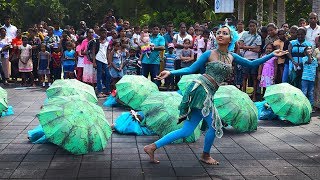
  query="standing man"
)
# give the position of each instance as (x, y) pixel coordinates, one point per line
(170, 33)
(180, 37)
(151, 63)
(313, 29)
(240, 28)
(285, 27)
(11, 29)
(57, 31)
(101, 63)
(126, 25)
(178, 44)
(249, 45)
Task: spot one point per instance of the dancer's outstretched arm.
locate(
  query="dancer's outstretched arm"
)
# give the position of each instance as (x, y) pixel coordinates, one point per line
(248, 63)
(245, 62)
(201, 61)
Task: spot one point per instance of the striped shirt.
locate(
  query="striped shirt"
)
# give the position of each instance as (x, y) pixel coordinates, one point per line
(169, 60)
(309, 70)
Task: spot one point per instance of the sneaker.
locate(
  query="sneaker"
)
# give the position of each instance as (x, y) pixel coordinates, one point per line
(49, 84)
(43, 85)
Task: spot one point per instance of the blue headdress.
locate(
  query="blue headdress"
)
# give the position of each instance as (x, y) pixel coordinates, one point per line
(233, 35)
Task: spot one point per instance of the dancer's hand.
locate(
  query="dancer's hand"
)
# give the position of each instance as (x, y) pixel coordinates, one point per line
(163, 75)
(279, 52)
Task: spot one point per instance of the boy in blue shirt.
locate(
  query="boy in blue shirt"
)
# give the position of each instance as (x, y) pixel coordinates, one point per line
(310, 65)
(132, 65)
(169, 58)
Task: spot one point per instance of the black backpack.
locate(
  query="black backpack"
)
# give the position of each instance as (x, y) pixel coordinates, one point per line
(93, 48)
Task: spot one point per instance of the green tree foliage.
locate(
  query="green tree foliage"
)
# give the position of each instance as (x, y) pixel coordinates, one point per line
(28, 12)
(296, 9)
(25, 13)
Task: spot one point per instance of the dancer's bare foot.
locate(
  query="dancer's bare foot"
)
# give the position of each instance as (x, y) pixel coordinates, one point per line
(149, 149)
(206, 158)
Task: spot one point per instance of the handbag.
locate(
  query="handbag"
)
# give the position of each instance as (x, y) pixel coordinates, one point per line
(251, 42)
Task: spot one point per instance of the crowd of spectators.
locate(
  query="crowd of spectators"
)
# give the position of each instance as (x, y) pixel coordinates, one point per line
(103, 54)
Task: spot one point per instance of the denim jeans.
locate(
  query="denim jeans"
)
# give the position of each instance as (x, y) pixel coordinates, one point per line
(153, 69)
(285, 74)
(307, 87)
(102, 67)
(3, 78)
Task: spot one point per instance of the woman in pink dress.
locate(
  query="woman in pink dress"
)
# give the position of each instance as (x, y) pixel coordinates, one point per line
(89, 73)
(268, 70)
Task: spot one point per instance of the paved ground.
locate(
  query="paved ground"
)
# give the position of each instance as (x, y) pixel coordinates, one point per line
(274, 151)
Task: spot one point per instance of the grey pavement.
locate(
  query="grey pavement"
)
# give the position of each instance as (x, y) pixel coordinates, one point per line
(275, 151)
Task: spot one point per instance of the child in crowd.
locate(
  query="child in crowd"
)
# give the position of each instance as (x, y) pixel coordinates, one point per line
(124, 51)
(56, 68)
(199, 32)
(203, 43)
(279, 44)
(69, 61)
(310, 65)
(80, 61)
(145, 42)
(187, 55)
(115, 62)
(268, 70)
(136, 37)
(43, 65)
(25, 62)
(131, 65)
(293, 36)
(169, 58)
(163, 30)
(114, 37)
(111, 17)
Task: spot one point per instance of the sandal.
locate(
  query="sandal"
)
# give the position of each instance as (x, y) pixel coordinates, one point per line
(100, 95)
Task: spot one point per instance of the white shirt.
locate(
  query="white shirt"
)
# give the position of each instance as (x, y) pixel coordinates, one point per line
(135, 36)
(4, 42)
(180, 40)
(201, 44)
(11, 31)
(240, 34)
(312, 34)
(109, 38)
(25, 50)
(250, 40)
(102, 53)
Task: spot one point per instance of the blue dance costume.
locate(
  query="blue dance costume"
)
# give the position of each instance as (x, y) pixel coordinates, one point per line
(197, 102)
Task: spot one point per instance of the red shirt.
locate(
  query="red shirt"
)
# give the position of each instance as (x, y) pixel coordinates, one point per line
(15, 43)
(56, 59)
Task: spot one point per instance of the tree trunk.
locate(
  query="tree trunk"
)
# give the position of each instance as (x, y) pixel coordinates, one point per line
(316, 7)
(259, 12)
(241, 5)
(270, 11)
(281, 12)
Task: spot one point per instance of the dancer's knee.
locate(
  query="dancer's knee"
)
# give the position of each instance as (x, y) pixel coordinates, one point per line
(187, 130)
(188, 133)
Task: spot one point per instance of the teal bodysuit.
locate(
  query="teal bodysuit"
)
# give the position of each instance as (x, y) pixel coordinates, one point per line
(199, 95)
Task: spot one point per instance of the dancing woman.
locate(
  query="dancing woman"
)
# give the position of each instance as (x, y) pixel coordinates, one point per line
(197, 102)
